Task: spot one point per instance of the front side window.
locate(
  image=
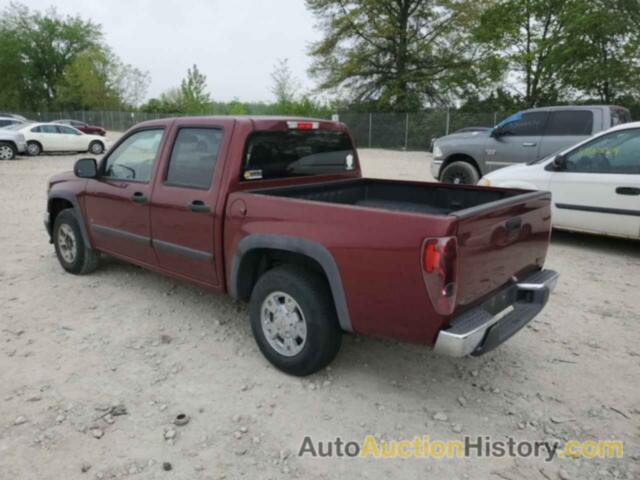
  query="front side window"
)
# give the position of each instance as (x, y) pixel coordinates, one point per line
(297, 153)
(564, 123)
(618, 152)
(133, 159)
(524, 124)
(194, 157)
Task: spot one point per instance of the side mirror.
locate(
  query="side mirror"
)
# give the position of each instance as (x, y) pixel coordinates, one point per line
(559, 162)
(496, 132)
(86, 168)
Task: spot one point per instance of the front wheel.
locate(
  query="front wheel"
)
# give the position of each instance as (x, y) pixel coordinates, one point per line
(73, 254)
(294, 321)
(96, 147)
(7, 151)
(460, 173)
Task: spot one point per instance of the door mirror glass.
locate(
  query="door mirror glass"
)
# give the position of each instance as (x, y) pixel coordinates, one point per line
(86, 168)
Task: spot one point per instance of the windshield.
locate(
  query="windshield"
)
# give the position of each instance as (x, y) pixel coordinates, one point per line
(297, 153)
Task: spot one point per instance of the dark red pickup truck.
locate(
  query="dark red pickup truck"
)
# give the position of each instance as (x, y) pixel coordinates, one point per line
(275, 211)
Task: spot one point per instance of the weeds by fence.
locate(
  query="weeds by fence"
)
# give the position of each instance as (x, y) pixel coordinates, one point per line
(408, 131)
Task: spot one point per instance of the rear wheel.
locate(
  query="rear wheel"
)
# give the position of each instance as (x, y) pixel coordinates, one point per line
(7, 151)
(293, 320)
(34, 148)
(460, 173)
(73, 254)
(96, 147)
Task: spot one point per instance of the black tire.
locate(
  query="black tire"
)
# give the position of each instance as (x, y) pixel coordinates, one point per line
(34, 148)
(7, 151)
(461, 173)
(85, 260)
(312, 294)
(96, 147)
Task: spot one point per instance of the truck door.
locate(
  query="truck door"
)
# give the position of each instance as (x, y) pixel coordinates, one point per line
(183, 205)
(515, 140)
(568, 127)
(117, 202)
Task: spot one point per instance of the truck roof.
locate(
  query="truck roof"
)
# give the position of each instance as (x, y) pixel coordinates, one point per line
(261, 122)
(572, 107)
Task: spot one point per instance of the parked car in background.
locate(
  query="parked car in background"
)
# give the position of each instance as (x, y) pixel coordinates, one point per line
(522, 138)
(595, 185)
(13, 115)
(8, 121)
(12, 143)
(51, 137)
(275, 211)
(83, 127)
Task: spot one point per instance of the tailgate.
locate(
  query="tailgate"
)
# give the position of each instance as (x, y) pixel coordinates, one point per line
(501, 240)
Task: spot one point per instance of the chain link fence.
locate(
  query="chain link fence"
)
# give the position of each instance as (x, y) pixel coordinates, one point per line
(412, 131)
(402, 131)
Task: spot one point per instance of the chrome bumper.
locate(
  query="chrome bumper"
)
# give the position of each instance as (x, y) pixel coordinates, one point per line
(483, 328)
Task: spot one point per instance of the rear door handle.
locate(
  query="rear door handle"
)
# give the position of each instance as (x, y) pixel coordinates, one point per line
(529, 144)
(198, 206)
(628, 191)
(138, 197)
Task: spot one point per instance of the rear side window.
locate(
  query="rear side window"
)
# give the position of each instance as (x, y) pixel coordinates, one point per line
(524, 124)
(297, 153)
(565, 123)
(194, 157)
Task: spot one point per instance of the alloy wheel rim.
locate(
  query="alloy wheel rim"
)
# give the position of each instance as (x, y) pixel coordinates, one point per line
(67, 243)
(95, 148)
(283, 324)
(33, 149)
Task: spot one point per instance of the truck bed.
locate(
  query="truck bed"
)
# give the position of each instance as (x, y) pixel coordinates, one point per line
(435, 199)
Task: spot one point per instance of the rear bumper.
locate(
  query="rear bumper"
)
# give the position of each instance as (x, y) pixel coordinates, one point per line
(483, 328)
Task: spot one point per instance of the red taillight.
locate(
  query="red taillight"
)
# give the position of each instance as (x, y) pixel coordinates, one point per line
(294, 125)
(440, 271)
(431, 255)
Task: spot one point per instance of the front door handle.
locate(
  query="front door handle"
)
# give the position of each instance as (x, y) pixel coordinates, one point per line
(628, 191)
(198, 206)
(529, 144)
(139, 197)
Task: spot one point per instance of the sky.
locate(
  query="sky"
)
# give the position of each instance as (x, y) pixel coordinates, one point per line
(235, 43)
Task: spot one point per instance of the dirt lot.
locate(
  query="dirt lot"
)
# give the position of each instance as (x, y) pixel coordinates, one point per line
(75, 352)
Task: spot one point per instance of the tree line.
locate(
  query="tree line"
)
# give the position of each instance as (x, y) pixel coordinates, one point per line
(374, 55)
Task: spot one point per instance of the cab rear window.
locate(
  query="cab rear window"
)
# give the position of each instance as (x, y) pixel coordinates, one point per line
(271, 155)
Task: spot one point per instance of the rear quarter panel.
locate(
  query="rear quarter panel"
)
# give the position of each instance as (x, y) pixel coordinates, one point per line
(378, 254)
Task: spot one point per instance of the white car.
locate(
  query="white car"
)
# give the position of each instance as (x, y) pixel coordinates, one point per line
(51, 137)
(595, 185)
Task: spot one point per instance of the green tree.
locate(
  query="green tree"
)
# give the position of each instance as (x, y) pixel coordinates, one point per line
(528, 36)
(84, 83)
(284, 86)
(50, 61)
(193, 91)
(38, 49)
(602, 48)
(399, 54)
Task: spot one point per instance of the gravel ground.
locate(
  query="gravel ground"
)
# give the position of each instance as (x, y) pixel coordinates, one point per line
(95, 369)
